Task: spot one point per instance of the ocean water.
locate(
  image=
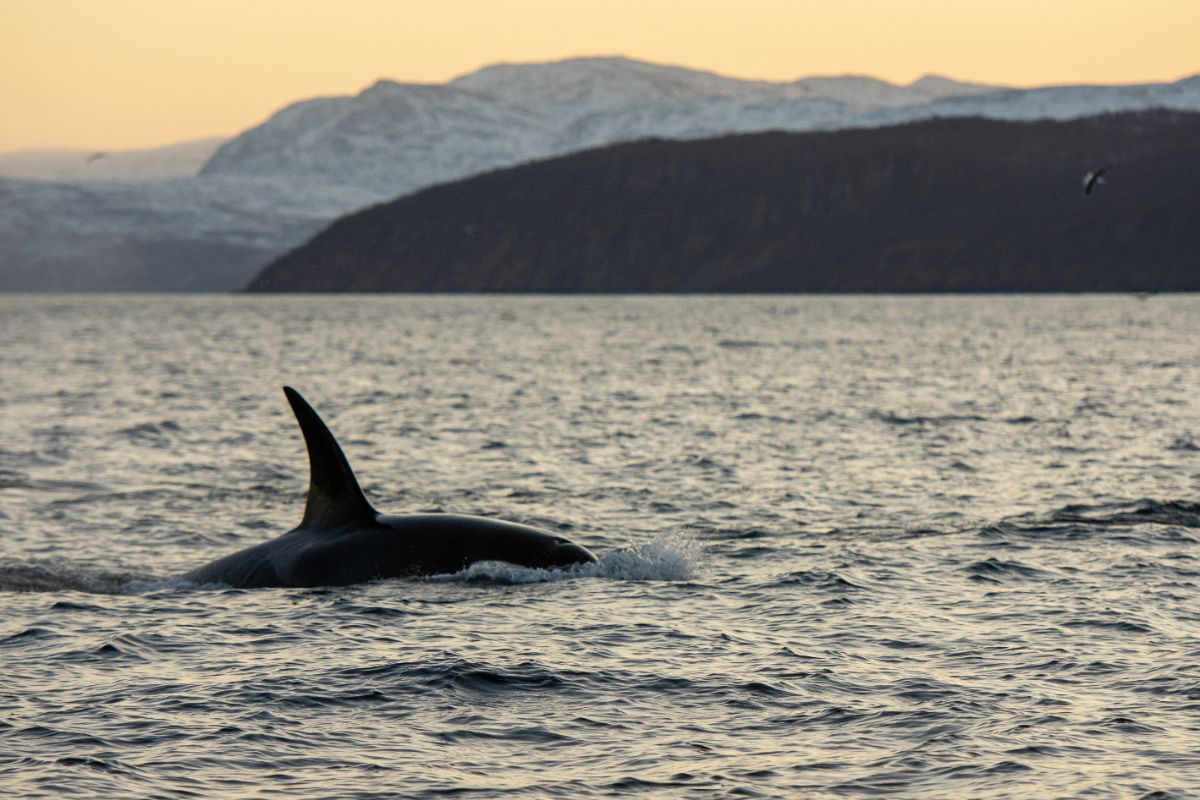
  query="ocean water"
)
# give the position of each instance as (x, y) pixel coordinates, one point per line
(849, 547)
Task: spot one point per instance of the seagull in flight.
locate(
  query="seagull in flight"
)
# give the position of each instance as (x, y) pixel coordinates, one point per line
(1094, 179)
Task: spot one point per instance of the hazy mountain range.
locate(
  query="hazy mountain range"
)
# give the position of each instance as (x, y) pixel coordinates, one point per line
(181, 160)
(273, 186)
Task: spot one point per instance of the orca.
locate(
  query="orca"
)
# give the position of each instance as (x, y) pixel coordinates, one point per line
(343, 540)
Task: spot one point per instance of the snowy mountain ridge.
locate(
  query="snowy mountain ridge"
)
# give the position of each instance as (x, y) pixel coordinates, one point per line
(394, 138)
(400, 136)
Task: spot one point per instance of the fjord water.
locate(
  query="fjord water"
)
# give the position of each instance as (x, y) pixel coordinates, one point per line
(938, 547)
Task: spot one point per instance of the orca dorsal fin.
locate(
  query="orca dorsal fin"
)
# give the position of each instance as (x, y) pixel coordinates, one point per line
(334, 496)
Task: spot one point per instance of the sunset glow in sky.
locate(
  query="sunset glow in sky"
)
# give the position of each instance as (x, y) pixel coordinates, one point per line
(137, 73)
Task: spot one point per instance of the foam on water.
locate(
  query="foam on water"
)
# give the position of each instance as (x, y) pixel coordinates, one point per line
(668, 557)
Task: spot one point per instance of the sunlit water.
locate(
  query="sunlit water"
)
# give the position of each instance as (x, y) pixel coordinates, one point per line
(944, 547)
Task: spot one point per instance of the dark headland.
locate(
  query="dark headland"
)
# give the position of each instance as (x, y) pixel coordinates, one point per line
(947, 205)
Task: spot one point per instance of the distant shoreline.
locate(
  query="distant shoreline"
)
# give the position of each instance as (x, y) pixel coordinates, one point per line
(964, 205)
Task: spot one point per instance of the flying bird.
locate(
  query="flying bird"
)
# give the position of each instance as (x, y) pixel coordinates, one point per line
(1094, 179)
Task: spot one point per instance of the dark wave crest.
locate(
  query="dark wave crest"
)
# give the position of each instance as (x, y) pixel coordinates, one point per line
(57, 575)
(1083, 520)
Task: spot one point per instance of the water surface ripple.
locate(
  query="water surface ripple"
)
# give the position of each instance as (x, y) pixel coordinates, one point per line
(937, 547)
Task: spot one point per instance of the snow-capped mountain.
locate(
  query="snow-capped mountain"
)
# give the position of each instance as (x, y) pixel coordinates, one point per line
(399, 137)
(390, 137)
(274, 185)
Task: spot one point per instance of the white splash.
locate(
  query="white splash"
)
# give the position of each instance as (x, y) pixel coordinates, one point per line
(667, 557)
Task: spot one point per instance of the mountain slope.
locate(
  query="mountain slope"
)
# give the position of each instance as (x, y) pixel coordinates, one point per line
(940, 205)
(180, 235)
(389, 139)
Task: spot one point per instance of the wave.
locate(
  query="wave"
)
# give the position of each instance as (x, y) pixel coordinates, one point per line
(57, 575)
(891, 418)
(162, 435)
(817, 580)
(1169, 512)
(1184, 442)
(16, 479)
(451, 671)
(1083, 520)
(995, 570)
(669, 557)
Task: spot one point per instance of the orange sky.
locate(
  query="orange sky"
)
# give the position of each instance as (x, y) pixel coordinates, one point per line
(134, 73)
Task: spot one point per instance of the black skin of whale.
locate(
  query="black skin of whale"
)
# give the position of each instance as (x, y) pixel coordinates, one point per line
(343, 540)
